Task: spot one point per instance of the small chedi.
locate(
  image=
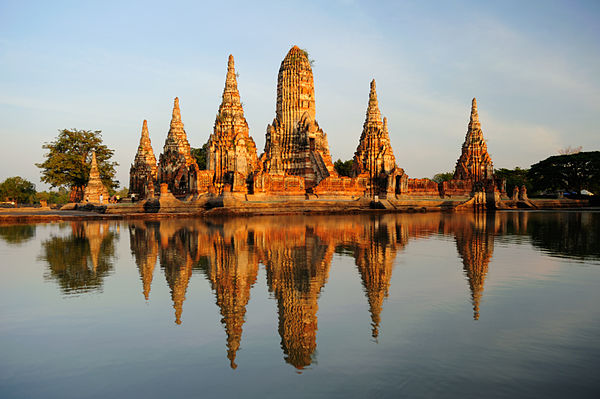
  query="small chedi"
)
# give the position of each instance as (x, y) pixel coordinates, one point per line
(231, 150)
(142, 175)
(296, 162)
(95, 191)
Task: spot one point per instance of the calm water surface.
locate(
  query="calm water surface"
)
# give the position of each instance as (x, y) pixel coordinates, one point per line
(427, 305)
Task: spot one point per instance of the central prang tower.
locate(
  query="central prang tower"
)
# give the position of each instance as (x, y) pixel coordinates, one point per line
(295, 144)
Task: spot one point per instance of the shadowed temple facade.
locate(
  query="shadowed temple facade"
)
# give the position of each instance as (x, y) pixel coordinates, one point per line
(296, 161)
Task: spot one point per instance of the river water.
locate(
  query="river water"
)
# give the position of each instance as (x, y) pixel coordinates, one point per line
(494, 305)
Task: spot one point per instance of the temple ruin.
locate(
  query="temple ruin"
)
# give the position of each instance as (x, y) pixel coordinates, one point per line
(231, 150)
(142, 175)
(95, 191)
(296, 163)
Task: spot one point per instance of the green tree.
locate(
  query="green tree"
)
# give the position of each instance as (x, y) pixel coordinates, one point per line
(572, 172)
(67, 163)
(344, 168)
(54, 197)
(199, 155)
(516, 177)
(442, 177)
(18, 190)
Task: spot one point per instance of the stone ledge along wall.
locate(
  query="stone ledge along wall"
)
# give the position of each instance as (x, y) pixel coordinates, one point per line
(423, 187)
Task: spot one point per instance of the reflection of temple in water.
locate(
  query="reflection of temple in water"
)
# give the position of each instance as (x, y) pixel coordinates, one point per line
(80, 260)
(374, 256)
(175, 255)
(475, 245)
(232, 268)
(297, 263)
(296, 252)
(144, 247)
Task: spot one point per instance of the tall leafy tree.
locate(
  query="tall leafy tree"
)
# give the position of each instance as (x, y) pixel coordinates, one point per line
(67, 162)
(516, 177)
(572, 172)
(17, 189)
(344, 168)
(199, 155)
(442, 177)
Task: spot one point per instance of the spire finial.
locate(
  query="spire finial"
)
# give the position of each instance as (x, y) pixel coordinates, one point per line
(145, 129)
(94, 172)
(373, 114)
(474, 114)
(176, 111)
(230, 64)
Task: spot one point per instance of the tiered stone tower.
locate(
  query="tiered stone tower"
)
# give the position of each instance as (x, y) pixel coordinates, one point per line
(474, 164)
(374, 157)
(142, 175)
(95, 188)
(295, 144)
(232, 152)
(176, 161)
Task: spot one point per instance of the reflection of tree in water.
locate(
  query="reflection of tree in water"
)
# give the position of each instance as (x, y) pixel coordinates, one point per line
(475, 245)
(569, 234)
(81, 260)
(17, 234)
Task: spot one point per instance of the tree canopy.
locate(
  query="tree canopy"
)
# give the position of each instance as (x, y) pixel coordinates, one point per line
(67, 163)
(344, 168)
(199, 155)
(442, 177)
(516, 177)
(572, 172)
(18, 190)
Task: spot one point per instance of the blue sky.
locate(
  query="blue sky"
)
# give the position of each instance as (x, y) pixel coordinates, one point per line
(533, 67)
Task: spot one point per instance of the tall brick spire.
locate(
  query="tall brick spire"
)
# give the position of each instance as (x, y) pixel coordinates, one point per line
(373, 114)
(474, 164)
(231, 149)
(295, 89)
(177, 138)
(374, 153)
(142, 174)
(294, 143)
